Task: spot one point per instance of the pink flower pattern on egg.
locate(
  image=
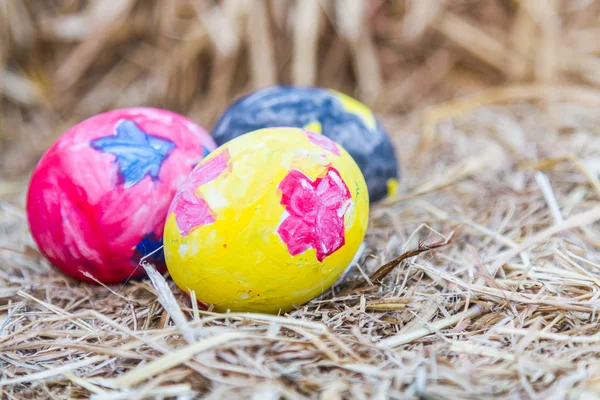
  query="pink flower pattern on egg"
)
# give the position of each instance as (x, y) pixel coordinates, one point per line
(192, 211)
(314, 216)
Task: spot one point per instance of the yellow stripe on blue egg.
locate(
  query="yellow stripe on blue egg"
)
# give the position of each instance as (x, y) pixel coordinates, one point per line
(393, 187)
(315, 127)
(357, 108)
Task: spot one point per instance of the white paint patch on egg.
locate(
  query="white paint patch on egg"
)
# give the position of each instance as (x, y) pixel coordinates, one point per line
(194, 249)
(284, 216)
(345, 207)
(215, 198)
(183, 248)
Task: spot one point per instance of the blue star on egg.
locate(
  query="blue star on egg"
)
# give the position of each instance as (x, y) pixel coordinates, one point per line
(137, 153)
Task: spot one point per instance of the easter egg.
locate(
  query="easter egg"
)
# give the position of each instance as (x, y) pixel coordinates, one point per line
(347, 121)
(267, 221)
(98, 198)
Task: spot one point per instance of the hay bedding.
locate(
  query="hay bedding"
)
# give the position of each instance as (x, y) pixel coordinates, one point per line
(505, 307)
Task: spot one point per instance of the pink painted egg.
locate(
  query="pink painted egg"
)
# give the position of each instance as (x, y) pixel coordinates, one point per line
(98, 198)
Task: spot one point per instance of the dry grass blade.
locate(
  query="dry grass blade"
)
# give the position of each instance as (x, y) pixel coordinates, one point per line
(582, 219)
(52, 372)
(385, 269)
(306, 40)
(264, 71)
(475, 40)
(434, 327)
(168, 301)
(495, 95)
(175, 358)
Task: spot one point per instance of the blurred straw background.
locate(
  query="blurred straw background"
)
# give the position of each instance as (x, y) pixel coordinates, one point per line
(63, 61)
(493, 106)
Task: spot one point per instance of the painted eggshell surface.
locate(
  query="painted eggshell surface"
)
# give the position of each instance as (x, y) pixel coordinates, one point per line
(267, 221)
(99, 197)
(347, 121)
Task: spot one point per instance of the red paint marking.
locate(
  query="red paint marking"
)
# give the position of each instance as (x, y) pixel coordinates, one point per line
(316, 212)
(323, 141)
(190, 210)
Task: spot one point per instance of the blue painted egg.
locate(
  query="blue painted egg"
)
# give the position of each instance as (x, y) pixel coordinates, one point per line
(340, 117)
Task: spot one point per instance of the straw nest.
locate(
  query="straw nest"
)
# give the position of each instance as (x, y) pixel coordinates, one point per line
(491, 287)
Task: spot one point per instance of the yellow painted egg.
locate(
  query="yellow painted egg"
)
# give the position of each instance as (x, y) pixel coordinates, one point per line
(267, 221)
